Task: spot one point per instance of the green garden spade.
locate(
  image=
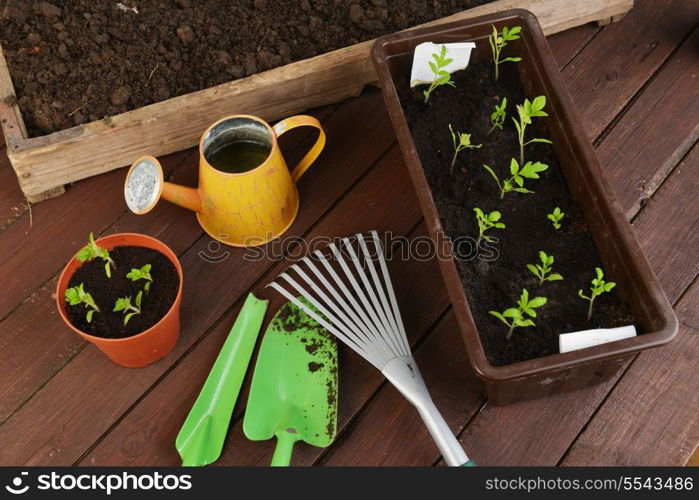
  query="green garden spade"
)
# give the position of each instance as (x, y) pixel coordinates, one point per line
(293, 395)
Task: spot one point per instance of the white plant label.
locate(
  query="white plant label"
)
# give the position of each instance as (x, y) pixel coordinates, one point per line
(421, 74)
(587, 338)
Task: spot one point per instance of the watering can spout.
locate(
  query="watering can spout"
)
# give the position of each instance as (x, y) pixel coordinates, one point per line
(183, 196)
(145, 185)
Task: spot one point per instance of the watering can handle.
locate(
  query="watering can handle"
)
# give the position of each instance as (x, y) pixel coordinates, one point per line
(303, 121)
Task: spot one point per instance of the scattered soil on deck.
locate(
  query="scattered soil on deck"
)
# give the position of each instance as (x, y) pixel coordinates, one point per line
(105, 291)
(97, 58)
(496, 284)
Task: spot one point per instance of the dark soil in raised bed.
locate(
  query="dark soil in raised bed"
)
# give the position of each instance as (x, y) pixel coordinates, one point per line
(83, 60)
(496, 284)
(105, 291)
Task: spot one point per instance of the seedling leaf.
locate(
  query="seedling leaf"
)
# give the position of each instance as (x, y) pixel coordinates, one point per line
(460, 141)
(543, 270)
(92, 250)
(599, 286)
(516, 315)
(525, 112)
(141, 274)
(498, 41)
(487, 221)
(124, 304)
(441, 76)
(77, 295)
(555, 217)
(528, 171)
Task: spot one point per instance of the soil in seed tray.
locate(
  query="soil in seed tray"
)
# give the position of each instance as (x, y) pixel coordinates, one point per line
(105, 291)
(84, 60)
(496, 284)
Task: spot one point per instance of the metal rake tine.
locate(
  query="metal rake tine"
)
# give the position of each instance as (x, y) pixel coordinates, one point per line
(338, 325)
(389, 289)
(395, 332)
(396, 347)
(350, 324)
(361, 311)
(360, 293)
(353, 309)
(366, 354)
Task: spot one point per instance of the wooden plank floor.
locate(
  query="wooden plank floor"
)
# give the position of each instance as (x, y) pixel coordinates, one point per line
(62, 402)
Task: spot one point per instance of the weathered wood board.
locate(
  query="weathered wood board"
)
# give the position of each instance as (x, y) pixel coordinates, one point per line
(45, 164)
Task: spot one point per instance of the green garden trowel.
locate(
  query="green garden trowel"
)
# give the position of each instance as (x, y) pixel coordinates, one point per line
(293, 395)
(201, 438)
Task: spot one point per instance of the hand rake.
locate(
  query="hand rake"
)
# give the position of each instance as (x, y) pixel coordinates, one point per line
(367, 319)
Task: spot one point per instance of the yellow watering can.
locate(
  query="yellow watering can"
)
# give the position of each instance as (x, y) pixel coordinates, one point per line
(246, 194)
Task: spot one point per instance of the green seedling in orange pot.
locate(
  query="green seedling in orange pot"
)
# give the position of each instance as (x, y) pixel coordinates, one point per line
(77, 295)
(129, 309)
(142, 274)
(92, 250)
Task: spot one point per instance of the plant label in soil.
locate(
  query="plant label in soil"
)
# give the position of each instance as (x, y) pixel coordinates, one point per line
(589, 338)
(421, 73)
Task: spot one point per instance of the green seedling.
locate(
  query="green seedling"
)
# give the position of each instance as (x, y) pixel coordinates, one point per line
(599, 286)
(461, 141)
(526, 112)
(497, 117)
(485, 222)
(517, 315)
(143, 273)
(128, 308)
(498, 41)
(92, 251)
(77, 295)
(516, 181)
(542, 270)
(555, 217)
(441, 76)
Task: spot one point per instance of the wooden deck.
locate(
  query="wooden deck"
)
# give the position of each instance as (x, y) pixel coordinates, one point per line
(62, 402)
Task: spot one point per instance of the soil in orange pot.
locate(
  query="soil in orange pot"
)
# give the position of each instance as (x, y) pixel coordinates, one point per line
(105, 291)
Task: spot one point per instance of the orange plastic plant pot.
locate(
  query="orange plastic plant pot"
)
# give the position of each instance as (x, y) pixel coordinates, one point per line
(148, 346)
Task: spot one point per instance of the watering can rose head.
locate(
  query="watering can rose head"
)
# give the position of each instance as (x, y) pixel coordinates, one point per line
(247, 195)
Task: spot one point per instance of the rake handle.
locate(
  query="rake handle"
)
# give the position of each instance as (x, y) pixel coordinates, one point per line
(403, 373)
(454, 455)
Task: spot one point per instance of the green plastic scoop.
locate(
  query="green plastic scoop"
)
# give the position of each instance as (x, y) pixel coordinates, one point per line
(201, 438)
(293, 395)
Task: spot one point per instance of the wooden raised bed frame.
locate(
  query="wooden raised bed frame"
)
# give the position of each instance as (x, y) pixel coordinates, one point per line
(45, 164)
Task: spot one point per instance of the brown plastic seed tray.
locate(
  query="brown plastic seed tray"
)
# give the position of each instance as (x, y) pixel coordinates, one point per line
(622, 257)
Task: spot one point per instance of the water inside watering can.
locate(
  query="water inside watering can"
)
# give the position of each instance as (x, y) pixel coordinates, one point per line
(239, 156)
